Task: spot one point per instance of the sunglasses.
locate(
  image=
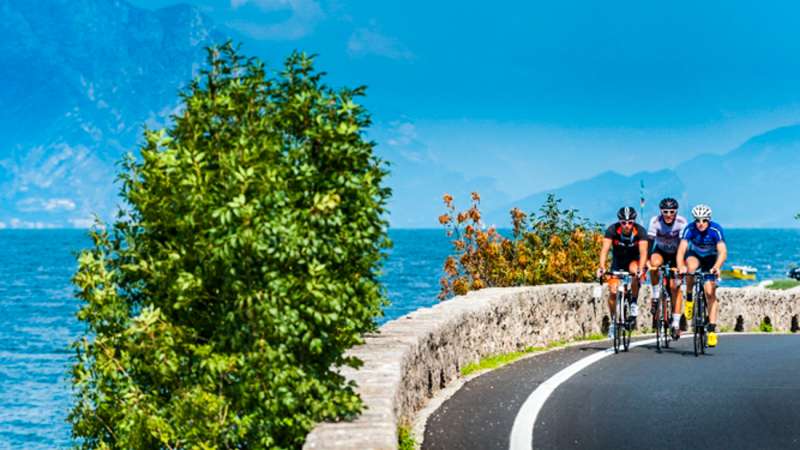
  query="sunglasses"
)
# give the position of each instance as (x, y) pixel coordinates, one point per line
(702, 220)
(627, 222)
(668, 212)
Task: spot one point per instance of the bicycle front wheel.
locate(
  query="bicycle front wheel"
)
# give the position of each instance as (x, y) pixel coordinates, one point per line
(703, 328)
(667, 317)
(699, 326)
(659, 320)
(659, 333)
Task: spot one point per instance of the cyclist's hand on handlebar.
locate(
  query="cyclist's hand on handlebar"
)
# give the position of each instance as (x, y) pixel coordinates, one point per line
(714, 271)
(600, 272)
(682, 270)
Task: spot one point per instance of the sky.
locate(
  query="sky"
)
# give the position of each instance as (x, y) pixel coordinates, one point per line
(521, 97)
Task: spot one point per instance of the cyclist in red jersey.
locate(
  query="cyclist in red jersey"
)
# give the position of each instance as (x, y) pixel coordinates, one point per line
(629, 242)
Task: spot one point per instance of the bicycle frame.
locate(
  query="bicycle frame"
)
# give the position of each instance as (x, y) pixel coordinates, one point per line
(700, 308)
(663, 311)
(622, 334)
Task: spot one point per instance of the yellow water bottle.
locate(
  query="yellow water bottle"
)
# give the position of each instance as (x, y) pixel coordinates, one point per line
(689, 309)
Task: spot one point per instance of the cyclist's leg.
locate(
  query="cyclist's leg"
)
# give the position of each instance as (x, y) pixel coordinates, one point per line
(710, 288)
(711, 297)
(633, 267)
(656, 260)
(692, 263)
(674, 290)
(613, 285)
(612, 295)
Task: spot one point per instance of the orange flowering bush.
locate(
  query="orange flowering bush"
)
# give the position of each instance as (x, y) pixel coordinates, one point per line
(551, 246)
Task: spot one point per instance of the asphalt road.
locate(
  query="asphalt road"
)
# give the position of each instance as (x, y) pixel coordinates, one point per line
(744, 394)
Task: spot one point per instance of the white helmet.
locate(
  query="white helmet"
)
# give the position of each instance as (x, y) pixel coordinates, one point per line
(701, 211)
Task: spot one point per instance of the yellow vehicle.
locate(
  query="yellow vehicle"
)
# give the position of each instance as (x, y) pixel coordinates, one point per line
(740, 273)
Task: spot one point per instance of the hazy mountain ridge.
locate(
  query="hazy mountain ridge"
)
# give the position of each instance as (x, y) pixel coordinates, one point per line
(753, 185)
(83, 78)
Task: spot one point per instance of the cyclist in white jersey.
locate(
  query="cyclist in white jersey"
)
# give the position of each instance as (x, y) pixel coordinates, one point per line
(664, 234)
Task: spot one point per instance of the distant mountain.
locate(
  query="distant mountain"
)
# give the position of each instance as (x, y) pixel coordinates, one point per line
(754, 185)
(80, 79)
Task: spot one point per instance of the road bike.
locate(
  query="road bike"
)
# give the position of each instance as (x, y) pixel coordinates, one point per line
(662, 310)
(623, 328)
(699, 315)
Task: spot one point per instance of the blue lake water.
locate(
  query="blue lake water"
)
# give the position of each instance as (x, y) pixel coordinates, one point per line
(37, 312)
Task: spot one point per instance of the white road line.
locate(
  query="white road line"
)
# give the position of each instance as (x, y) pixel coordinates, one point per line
(522, 431)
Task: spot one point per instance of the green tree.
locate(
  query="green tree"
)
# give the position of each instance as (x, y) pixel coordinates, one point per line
(245, 265)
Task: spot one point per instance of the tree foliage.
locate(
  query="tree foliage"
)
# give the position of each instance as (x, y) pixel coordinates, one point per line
(552, 246)
(245, 266)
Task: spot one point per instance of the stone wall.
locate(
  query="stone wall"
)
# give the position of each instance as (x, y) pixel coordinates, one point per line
(413, 357)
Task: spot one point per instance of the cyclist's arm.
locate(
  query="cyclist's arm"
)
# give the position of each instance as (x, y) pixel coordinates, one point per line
(652, 232)
(722, 254)
(681, 255)
(643, 254)
(604, 252)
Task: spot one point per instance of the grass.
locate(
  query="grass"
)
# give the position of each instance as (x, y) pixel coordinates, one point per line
(783, 284)
(405, 439)
(495, 361)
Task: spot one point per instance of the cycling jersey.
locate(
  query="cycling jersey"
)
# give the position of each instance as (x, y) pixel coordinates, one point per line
(703, 243)
(625, 247)
(666, 237)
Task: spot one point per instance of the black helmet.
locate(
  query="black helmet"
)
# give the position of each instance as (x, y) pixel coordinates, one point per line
(626, 213)
(668, 203)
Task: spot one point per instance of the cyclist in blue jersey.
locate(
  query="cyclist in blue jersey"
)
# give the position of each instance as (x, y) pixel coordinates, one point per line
(664, 234)
(703, 246)
(629, 242)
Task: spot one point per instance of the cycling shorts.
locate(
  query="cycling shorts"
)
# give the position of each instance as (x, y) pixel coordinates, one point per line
(623, 263)
(669, 258)
(706, 262)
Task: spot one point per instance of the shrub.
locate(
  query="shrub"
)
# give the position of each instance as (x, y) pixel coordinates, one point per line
(245, 266)
(552, 246)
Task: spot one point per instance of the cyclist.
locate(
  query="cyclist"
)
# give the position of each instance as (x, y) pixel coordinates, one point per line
(703, 245)
(664, 234)
(629, 242)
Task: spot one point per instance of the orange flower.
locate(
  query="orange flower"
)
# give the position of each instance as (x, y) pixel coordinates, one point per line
(461, 217)
(450, 266)
(460, 286)
(474, 214)
(444, 219)
(448, 199)
(476, 197)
